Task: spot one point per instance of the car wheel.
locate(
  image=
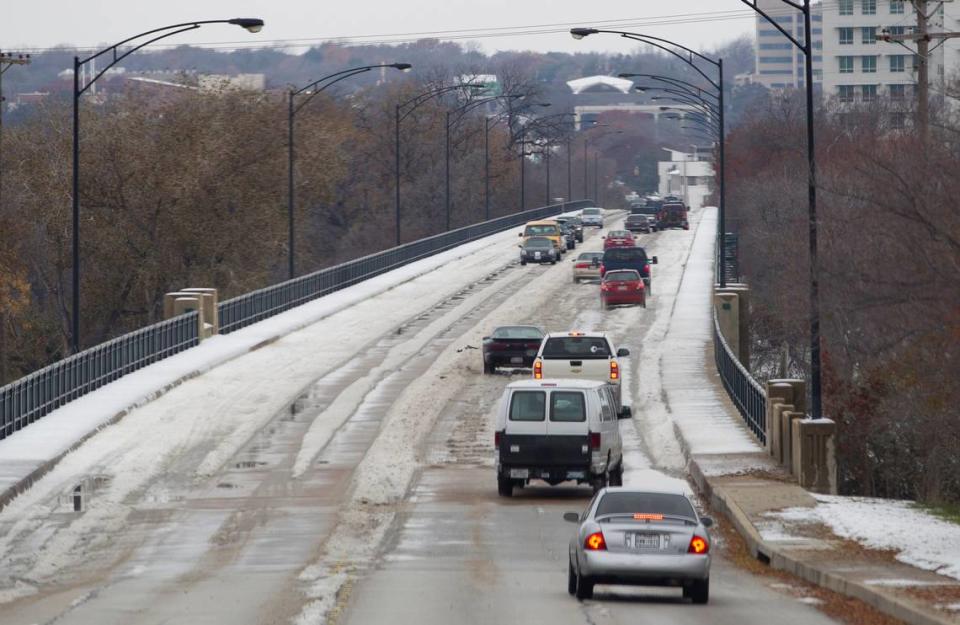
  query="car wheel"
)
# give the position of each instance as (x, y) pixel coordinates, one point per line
(523, 262)
(584, 588)
(553, 262)
(699, 591)
(576, 280)
(489, 367)
(598, 482)
(504, 486)
(616, 476)
(571, 579)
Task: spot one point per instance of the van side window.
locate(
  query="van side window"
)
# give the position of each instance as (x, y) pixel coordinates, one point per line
(528, 406)
(567, 406)
(606, 410)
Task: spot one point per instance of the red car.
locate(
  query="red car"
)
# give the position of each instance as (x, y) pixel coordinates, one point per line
(622, 286)
(618, 238)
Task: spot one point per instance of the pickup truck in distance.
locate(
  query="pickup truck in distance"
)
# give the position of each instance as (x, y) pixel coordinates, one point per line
(628, 258)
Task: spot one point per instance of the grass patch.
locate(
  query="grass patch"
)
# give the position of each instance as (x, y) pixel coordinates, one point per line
(949, 512)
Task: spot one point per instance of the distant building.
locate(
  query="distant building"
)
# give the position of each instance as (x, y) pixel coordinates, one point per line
(594, 95)
(780, 64)
(689, 175)
(858, 68)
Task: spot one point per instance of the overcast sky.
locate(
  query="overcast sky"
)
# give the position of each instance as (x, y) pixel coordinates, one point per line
(695, 23)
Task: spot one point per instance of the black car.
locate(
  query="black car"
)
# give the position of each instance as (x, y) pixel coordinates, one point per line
(569, 234)
(637, 223)
(511, 345)
(577, 224)
(538, 250)
(628, 258)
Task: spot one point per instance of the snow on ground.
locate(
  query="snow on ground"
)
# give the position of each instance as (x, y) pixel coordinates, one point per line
(216, 413)
(919, 538)
(383, 477)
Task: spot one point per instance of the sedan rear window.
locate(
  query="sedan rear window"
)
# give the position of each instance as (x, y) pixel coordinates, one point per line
(517, 332)
(591, 211)
(567, 407)
(645, 503)
(547, 230)
(621, 276)
(576, 348)
(626, 254)
(528, 406)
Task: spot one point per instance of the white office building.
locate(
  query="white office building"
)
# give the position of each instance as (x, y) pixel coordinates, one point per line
(858, 68)
(780, 64)
(688, 175)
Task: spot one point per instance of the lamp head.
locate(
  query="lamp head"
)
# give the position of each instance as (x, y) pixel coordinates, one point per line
(251, 24)
(628, 75)
(580, 33)
(403, 67)
(640, 88)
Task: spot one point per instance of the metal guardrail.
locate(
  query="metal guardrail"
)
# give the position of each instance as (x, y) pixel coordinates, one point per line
(24, 401)
(746, 393)
(252, 307)
(36, 395)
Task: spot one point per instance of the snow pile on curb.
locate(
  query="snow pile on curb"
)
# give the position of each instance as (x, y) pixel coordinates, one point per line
(919, 538)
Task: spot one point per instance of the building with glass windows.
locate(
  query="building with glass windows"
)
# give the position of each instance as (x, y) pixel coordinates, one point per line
(780, 64)
(858, 68)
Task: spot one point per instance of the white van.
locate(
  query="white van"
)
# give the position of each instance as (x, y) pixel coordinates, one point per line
(557, 431)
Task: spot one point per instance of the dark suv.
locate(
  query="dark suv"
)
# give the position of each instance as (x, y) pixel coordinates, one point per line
(628, 258)
(637, 223)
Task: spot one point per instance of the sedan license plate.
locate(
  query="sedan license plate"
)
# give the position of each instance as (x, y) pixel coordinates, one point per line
(516, 360)
(621, 288)
(639, 541)
(520, 473)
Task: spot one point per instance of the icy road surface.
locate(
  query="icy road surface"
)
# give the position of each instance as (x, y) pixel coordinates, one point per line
(343, 474)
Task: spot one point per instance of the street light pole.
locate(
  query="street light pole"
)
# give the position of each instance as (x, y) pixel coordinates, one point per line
(407, 107)
(486, 169)
(523, 160)
(569, 171)
(253, 25)
(804, 6)
(311, 92)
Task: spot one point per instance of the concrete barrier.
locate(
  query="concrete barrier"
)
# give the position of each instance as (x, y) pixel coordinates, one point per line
(787, 417)
(775, 425)
(211, 319)
(742, 342)
(204, 302)
(728, 317)
(813, 454)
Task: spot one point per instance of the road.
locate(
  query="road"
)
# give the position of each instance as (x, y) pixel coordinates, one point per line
(365, 496)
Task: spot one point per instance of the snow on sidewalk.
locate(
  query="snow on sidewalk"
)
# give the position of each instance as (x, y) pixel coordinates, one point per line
(919, 538)
(707, 421)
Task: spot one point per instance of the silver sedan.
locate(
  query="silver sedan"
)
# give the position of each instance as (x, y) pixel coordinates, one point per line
(641, 538)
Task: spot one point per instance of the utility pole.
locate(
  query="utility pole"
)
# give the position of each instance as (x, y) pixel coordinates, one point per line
(922, 37)
(7, 60)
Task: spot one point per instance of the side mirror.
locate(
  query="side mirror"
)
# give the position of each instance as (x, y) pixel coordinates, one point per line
(653, 261)
(706, 521)
(625, 413)
(520, 235)
(603, 237)
(486, 338)
(623, 352)
(572, 517)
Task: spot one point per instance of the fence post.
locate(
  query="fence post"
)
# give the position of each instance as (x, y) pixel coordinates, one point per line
(814, 455)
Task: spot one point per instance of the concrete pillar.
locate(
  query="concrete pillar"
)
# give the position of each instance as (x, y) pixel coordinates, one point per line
(814, 454)
(168, 302)
(777, 393)
(211, 319)
(743, 321)
(775, 424)
(798, 397)
(186, 304)
(786, 436)
(728, 316)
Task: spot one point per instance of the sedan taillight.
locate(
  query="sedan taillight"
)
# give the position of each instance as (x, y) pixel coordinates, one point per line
(698, 545)
(595, 542)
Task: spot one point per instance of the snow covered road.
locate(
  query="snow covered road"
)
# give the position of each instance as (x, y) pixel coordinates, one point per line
(341, 472)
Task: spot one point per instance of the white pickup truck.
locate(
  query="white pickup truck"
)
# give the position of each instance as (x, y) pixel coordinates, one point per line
(580, 355)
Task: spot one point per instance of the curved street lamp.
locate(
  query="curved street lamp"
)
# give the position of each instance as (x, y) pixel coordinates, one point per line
(401, 111)
(311, 92)
(688, 56)
(253, 25)
(462, 111)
